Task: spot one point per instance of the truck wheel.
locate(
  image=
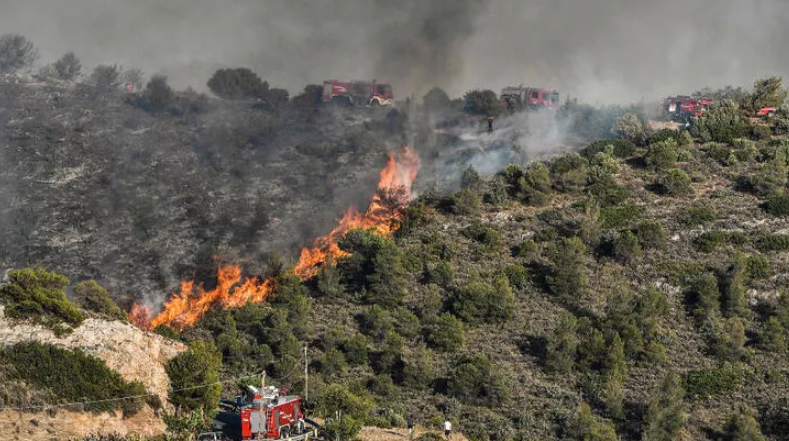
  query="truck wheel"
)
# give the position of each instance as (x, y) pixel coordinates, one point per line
(284, 433)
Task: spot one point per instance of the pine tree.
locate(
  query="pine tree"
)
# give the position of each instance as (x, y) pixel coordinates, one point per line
(471, 179)
(665, 417)
(615, 377)
(742, 426)
(708, 297)
(562, 345)
(773, 337)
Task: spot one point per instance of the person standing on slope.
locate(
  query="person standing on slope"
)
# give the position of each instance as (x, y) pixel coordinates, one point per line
(447, 428)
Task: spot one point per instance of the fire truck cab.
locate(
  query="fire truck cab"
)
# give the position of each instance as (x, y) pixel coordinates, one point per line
(358, 93)
(683, 108)
(272, 414)
(520, 97)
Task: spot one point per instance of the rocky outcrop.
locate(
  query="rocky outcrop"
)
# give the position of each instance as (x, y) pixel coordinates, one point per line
(133, 353)
(65, 425)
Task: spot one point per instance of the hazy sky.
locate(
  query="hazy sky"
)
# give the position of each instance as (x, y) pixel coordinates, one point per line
(598, 50)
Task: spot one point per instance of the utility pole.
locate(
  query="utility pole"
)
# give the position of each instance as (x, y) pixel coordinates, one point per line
(263, 423)
(306, 375)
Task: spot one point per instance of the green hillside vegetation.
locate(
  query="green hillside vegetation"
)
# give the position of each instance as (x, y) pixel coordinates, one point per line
(599, 302)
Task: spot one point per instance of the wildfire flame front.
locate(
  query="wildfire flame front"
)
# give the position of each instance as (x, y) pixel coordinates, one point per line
(384, 215)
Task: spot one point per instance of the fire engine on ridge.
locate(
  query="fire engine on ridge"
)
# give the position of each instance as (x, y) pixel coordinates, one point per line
(268, 413)
(532, 98)
(358, 93)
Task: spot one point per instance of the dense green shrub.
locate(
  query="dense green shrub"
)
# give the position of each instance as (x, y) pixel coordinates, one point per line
(355, 408)
(664, 135)
(562, 345)
(585, 426)
(446, 334)
(158, 94)
(479, 301)
(93, 297)
(630, 127)
(664, 416)
(16, 52)
(622, 148)
(706, 302)
(569, 172)
(697, 215)
(487, 236)
(708, 241)
(616, 217)
(68, 67)
(375, 265)
(466, 203)
(676, 182)
(38, 293)
(767, 242)
(475, 380)
(773, 336)
(568, 271)
(198, 366)
(517, 275)
(166, 331)
(482, 102)
(236, 84)
(607, 190)
(436, 100)
(722, 122)
(651, 234)
(470, 180)
(662, 155)
(757, 267)
(708, 383)
(106, 78)
(781, 120)
(626, 248)
(742, 426)
(777, 206)
(72, 376)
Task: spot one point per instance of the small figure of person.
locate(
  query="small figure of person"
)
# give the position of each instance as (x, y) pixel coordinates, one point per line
(490, 124)
(410, 423)
(447, 428)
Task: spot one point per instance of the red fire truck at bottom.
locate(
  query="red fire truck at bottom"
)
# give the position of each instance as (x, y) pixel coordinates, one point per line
(268, 414)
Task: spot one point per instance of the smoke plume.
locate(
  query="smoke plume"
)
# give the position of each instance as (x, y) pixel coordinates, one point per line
(598, 50)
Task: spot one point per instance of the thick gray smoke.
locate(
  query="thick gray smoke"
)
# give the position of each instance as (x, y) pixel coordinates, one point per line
(598, 50)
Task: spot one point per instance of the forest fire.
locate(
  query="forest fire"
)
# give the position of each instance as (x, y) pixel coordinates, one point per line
(384, 214)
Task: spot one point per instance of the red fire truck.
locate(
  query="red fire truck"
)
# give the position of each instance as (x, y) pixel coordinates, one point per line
(358, 93)
(269, 414)
(683, 108)
(520, 98)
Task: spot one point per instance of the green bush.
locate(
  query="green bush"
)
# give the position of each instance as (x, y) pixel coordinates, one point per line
(777, 206)
(475, 380)
(584, 426)
(626, 248)
(158, 94)
(757, 267)
(630, 127)
(166, 331)
(38, 293)
(664, 135)
(773, 337)
(93, 297)
(236, 84)
(617, 217)
(569, 172)
(106, 78)
(16, 52)
(198, 366)
(622, 148)
(708, 241)
(742, 426)
(662, 155)
(466, 203)
(568, 270)
(722, 122)
(708, 383)
(697, 215)
(780, 124)
(482, 102)
(68, 67)
(446, 334)
(436, 100)
(517, 275)
(761, 133)
(664, 416)
(767, 242)
(489, 237)
(72, 376)
(479, 301)
(676, 182)
(562, 345)
(651, 234)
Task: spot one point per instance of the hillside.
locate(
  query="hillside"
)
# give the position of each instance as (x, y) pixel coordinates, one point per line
(629, 288)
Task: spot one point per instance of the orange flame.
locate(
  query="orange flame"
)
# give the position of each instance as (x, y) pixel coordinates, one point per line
(383, 214)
